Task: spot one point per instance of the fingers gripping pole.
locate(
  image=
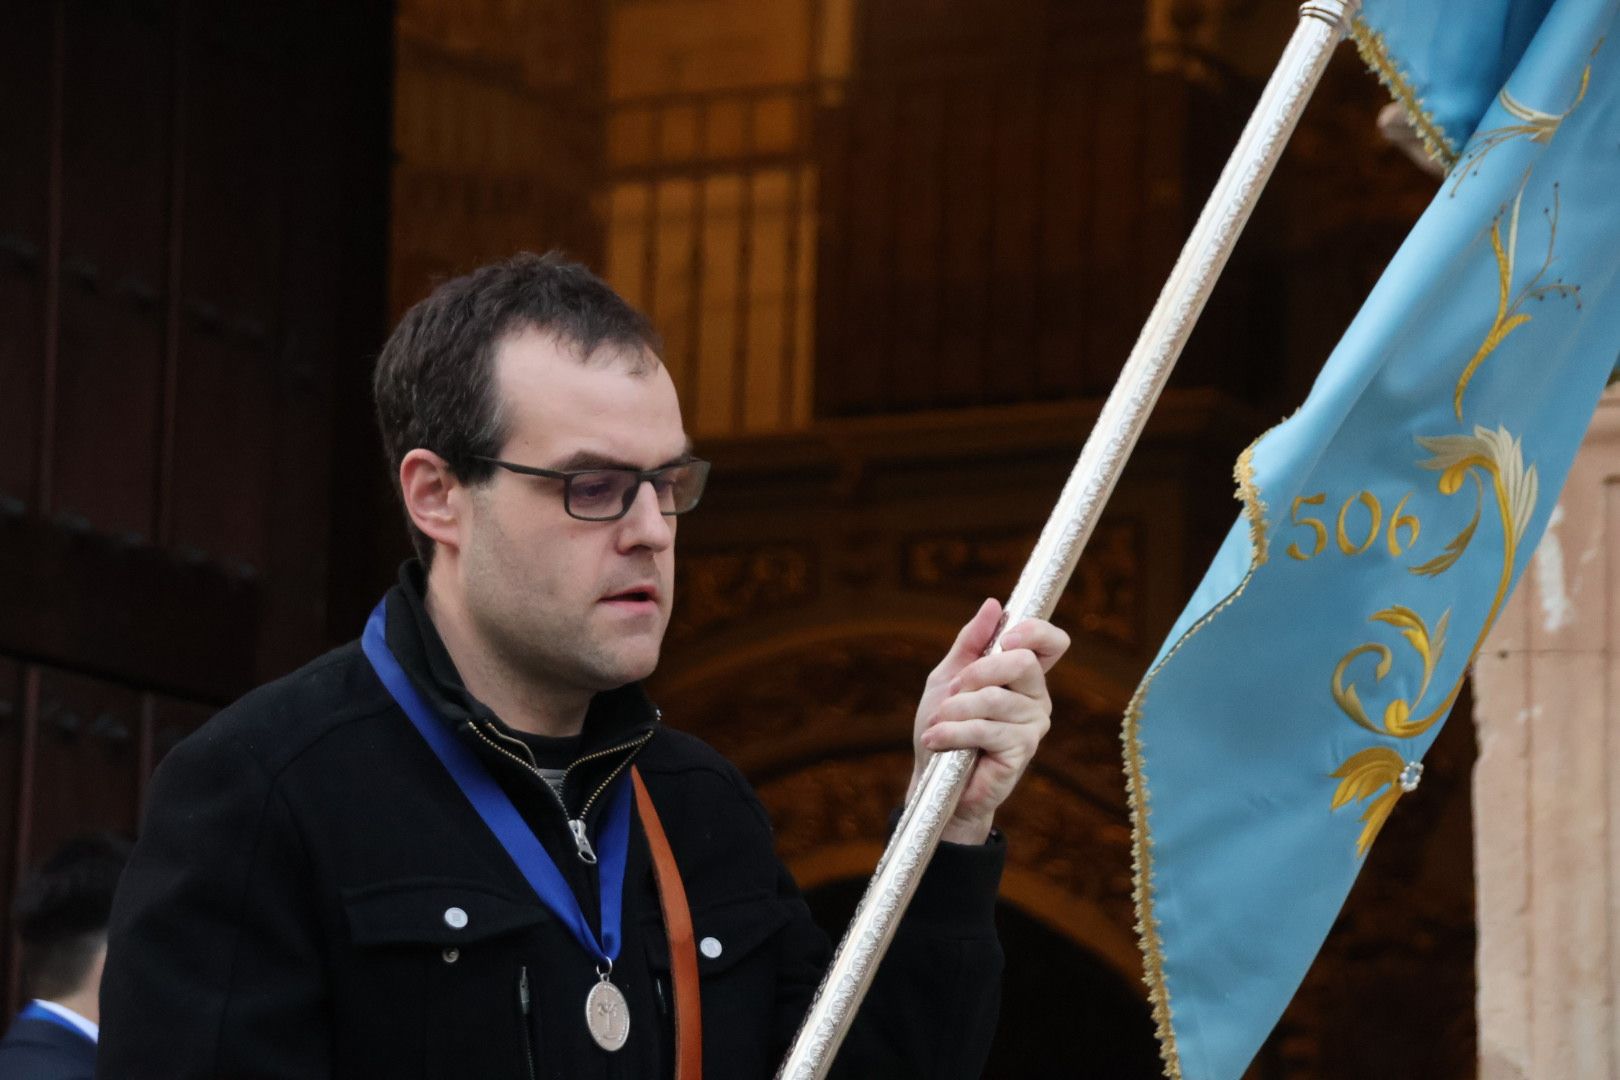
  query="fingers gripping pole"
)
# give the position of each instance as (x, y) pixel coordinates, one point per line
(1322, 25)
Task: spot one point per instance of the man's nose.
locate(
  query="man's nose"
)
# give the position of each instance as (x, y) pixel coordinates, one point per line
(645, 525)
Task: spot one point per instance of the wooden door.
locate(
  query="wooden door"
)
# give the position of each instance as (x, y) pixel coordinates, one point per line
(192, 222)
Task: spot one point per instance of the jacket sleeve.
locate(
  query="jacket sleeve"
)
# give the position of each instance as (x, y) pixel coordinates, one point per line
(214, 964)
(932, 1008)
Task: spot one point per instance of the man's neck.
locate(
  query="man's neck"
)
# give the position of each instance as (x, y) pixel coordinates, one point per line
(521, 701)
(83, 1002)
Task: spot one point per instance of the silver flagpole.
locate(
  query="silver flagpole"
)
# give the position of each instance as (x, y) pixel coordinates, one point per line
(1322, 24)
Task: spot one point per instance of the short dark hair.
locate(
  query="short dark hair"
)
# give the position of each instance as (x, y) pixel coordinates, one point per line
(61, 912)
(435, 379)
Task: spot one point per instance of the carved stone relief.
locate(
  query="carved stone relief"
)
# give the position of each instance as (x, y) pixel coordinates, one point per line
(1100, 599)
(783, 710)
(720, 588)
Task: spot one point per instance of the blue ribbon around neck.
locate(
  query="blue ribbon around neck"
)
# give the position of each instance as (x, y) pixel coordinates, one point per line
(502, 817)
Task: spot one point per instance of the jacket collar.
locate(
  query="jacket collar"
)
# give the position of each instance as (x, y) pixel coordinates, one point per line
(614, 717)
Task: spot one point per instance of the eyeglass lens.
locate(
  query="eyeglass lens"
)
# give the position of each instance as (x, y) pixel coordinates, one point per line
(609, 493)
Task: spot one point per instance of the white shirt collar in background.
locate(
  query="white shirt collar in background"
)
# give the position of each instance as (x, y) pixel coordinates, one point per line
(91, 1030)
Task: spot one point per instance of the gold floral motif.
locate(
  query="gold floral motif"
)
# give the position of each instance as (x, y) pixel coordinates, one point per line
(1457, 544)
(1398, 713)
(1500, 456)
(1534, 124)
(1509, 317)
(1359, 778)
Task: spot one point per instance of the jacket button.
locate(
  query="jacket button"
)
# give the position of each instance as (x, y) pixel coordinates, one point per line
(455, 918)
(452, 954)
(710, 947)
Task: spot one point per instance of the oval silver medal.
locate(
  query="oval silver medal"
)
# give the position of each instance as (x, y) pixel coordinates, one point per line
(607, 1015)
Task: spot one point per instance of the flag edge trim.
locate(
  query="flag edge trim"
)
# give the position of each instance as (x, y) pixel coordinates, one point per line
(1374, 50)
(1136, 784)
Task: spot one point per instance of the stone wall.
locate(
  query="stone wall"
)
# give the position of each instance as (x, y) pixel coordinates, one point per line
(1547, 823)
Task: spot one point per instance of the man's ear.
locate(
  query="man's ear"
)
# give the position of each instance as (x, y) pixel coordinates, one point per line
(431, 493)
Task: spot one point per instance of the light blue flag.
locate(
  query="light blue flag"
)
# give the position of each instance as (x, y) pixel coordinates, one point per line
(1384, 524)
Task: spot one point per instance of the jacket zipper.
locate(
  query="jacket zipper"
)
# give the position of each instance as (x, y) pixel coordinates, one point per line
(524, 1007)
(576, 823)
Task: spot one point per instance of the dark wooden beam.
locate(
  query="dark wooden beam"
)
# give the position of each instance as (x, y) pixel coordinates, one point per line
(126, 611)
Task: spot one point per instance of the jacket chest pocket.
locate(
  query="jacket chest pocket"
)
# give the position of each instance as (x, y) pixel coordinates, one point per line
(436, 977)
(737, 959)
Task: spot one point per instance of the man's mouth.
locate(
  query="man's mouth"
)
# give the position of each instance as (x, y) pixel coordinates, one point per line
(637, 598)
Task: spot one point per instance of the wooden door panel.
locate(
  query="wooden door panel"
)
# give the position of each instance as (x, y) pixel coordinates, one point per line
(192, 251)
(223, 466)
(857, 316)
(1015, 236)
(25, 76)
(222, 228)
(85, 759)
(115, 193)
(987, 164)
(969, 155)
(919, 223)
(230, 296)
(1064, 184)
(1119, 202)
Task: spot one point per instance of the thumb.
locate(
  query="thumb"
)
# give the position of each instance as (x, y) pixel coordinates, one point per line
(973, 639)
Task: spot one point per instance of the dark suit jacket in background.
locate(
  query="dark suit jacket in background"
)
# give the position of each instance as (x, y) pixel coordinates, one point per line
(42, 1050)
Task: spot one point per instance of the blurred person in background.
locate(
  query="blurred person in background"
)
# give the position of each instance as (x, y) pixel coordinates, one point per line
(61, 913)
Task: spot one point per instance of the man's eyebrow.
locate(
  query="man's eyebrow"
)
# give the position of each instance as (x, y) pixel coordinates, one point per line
(587, 459)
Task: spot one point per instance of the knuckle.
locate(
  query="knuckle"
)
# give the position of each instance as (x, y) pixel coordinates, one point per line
(1007, 701)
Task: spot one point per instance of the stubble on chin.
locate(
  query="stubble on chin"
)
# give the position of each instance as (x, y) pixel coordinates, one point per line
(623, 658)
(577, 655)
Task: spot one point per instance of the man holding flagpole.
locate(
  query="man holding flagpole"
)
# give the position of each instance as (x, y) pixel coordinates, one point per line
(467, 844)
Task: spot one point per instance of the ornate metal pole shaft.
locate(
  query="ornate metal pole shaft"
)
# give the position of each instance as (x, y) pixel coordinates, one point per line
(1322, 25)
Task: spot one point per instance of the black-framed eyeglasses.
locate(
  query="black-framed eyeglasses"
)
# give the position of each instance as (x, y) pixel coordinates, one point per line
(607, 494)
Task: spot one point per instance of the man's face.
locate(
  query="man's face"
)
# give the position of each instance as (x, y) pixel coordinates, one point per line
(575, 604)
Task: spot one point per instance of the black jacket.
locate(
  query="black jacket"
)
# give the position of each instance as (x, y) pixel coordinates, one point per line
(284, 911)
(42, 1050)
